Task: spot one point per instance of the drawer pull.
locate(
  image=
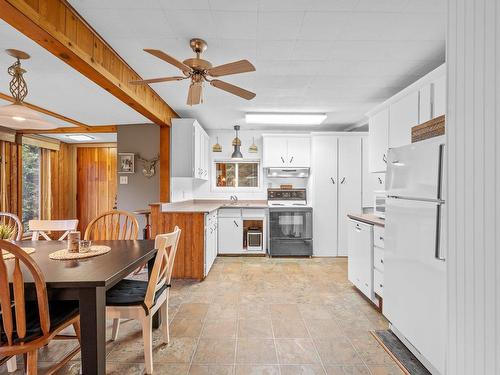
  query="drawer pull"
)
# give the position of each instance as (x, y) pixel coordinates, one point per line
(382, 261)
(380, 285)
(381, 238)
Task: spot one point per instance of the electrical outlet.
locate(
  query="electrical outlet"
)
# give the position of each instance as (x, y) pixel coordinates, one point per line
(123, 180)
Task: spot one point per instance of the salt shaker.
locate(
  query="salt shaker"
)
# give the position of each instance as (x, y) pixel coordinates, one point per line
(73, 241)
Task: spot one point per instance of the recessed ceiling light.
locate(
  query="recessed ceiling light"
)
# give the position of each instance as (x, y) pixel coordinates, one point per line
(285, 118)
(80, 137)
(18, 118)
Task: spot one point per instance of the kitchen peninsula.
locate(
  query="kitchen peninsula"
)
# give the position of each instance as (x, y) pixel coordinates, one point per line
(198, 220)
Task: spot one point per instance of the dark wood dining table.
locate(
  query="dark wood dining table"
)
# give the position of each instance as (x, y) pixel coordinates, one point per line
(87, 280)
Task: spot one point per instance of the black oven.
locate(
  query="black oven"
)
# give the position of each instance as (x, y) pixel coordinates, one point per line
(290, 231)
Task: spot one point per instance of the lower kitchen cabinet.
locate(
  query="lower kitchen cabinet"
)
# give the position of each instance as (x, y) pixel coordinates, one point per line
(230, 235)
(360, 262)
(236, 226)
(210, 240)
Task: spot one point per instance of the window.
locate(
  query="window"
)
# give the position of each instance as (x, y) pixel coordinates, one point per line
(31, 184)
(237, 174)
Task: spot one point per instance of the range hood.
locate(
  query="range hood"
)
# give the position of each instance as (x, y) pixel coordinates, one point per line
(288, 172)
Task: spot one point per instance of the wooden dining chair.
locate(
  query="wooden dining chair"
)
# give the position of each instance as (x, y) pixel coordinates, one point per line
(113, 225)
(41, 227)
(13, 221)
(26, 326)
(133, 299)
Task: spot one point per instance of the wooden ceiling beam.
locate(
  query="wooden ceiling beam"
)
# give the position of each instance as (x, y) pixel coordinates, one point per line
(58, 28)
(71, 130)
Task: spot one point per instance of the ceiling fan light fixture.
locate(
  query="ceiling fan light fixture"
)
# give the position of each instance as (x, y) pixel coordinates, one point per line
(285, 118)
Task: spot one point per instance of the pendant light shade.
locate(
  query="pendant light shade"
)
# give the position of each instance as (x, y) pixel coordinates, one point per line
(17, 115)
(237, 145)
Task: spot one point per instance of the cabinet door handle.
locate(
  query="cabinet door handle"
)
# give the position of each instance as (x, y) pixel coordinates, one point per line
(382, 261)
(384, 158)
(358, 228)
(291, 160)
(379, 180)
(381, 238)
(381, 285)
(235, 223)
(282, 160)
(333, 181)
(343, 180)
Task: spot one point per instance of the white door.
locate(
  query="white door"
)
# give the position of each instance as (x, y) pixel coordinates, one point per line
(378, 138)
(197, 154)
(403, 116)
(371, 181)
(360, 261)
(439, 93)
(425, 103)
(274, 152)
(324, 188)
(230, 236)
(298, 152)
(205, 156)
(349, 187)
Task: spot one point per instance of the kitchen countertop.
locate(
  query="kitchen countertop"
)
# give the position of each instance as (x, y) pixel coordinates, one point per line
(368, 218)
(208, 205)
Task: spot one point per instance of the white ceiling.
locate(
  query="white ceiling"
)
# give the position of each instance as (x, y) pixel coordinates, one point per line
(341, 57)
(97, 137)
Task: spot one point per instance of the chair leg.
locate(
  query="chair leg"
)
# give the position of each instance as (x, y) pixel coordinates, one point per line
(147, 337)
(76, 327)
(12, 364)
(164, 323)
(32, 362)
(116, 328)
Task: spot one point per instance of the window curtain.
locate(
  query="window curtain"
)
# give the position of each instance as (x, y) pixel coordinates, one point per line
(45, 184)
(11, 177)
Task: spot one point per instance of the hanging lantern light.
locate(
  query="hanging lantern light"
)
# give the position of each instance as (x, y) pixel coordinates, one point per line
(253, 148)
(17, 115)
(237, 145)
(217, 147)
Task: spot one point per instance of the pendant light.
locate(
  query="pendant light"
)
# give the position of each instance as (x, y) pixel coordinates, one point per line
(237, 145)
(253, 148)
(17, 115)
(217, 147)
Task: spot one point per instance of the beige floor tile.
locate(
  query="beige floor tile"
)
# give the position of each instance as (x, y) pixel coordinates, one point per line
(211, 370)
(257, 370)
(222, 311)
(323, 328)
(337, 351)
(385, 370)
(296, 351)
(221, 328)
(254, 311)
(256, 351)
(181, 327)
(170, 369)
(219, 351)
(285, 329)
(255, 328)
(302, 370)
(192, 310)
(312, 311)
(285, 311)
(179, 350)
(347, 370)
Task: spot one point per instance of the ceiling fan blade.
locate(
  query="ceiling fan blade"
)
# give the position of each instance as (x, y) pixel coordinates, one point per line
(241, 66)
(195, 93)
(235, 90)
(156, 80)
(171, 60)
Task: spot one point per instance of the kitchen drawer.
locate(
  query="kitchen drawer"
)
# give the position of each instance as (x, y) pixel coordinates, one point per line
(253, 212)
(230, 212)
(378, 282)
(378, 236)
(378, 258)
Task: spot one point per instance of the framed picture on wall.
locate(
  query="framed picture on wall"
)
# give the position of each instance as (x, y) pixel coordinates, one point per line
(126, 162)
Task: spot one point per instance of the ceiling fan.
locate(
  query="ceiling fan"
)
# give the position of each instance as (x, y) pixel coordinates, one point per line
(199, 70)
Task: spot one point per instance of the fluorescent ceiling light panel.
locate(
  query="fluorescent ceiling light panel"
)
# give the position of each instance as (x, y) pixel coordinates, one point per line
(285, 118)
(80, 137)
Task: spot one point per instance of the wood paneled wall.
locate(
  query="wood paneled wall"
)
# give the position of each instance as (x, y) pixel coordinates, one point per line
(63, 182)
(473, 202)
(11, 177)
(96, 182)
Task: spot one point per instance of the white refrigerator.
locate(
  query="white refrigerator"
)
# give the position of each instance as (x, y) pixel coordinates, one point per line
(415, 259)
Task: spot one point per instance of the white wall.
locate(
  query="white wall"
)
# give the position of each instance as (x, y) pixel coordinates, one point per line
(473, 138)
(205, 189)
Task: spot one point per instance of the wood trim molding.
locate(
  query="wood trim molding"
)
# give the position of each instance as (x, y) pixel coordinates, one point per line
(42, 142)
(164, 164)
(94, 145)
(58, 28)
(90, 129)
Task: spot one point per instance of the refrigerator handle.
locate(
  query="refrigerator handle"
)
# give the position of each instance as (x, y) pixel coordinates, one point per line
(440, 172)
(437, 252)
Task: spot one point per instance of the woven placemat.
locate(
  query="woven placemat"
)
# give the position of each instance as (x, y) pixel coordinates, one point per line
(65, 255)
(6, 255)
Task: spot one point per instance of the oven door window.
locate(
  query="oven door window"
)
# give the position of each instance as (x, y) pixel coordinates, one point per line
(291, 224)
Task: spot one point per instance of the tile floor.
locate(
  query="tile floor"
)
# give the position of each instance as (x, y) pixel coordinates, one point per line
(257, 316)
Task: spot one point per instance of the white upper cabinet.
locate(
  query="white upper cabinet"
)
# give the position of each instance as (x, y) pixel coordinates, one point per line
(425, 103)
(439, 96)
(371, 181)
(286, 151)
(379, 135)
(403, 115)
(189, 149)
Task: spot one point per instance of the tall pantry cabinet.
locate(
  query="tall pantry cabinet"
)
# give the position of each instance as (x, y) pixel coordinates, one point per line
(336, 189)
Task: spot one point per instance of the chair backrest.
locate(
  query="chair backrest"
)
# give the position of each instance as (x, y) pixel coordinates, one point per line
(13, 221)
(164, 264)
(14, 306)
(113, 225)
(41, 227)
